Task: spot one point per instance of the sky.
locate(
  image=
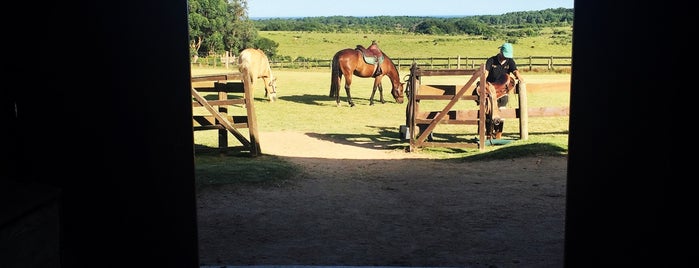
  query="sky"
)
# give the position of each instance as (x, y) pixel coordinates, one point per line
(359, 8)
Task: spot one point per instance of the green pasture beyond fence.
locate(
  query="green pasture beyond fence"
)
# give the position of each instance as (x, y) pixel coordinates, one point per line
(527, 63)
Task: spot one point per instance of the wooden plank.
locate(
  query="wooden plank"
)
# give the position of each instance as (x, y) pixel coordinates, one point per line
(209, 120)
(239, 148)
(444, 97)
(450, 144)
(504, 113)
(444, 72)
(230, 87)
(448, 121)
(217, 77)
(218, 127)
(207, 127)
(221, 102)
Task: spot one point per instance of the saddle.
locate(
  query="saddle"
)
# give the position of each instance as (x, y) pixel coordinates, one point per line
(372, 56)
(501, 89)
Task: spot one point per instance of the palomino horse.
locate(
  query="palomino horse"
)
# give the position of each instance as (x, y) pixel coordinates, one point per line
(350, 62)
(254, 62)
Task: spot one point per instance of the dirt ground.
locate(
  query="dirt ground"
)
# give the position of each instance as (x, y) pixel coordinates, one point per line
(364, 206)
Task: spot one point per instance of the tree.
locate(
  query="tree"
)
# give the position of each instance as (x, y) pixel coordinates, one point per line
(267, 45)
(216, 26)
(243, 32)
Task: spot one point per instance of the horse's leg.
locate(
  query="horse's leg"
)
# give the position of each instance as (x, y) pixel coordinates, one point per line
(349, 97)
(337, 90)
(348, 82)
(377, 83)
(381, 93)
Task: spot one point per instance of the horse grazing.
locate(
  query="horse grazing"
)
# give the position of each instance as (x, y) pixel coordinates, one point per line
(350, 62)
(254, 62)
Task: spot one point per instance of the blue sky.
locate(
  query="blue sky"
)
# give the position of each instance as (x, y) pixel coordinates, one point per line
(318, 8)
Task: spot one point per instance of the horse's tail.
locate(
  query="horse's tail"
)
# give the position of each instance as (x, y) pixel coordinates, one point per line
(244, 64)
(334, 75)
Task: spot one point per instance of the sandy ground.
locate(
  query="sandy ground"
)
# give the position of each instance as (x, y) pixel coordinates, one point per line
(363, 206)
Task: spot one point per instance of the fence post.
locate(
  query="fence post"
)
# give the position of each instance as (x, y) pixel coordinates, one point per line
(551, 63)
(523, 111)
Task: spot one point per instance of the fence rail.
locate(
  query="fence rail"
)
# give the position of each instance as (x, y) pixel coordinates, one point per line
(458, 62)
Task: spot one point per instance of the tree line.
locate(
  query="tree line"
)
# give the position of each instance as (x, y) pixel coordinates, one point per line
(216, 26)
(473, 25)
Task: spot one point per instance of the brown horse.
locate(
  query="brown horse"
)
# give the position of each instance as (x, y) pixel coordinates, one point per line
(255, 63)
(350, 62)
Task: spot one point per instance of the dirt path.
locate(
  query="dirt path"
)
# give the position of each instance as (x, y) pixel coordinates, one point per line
(363, 206)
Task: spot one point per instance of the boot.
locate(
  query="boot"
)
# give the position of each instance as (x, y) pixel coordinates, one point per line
(498, 135)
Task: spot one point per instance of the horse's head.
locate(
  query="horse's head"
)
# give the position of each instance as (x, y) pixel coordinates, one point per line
(271, 88)
(397, 92)
(273, 84)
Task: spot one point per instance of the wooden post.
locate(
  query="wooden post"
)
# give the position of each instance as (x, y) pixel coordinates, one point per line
(523, 112)
(255, 149)
(223, 110)
(482, 87)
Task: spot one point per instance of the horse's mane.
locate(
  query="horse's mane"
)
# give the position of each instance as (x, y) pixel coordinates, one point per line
(394, 65)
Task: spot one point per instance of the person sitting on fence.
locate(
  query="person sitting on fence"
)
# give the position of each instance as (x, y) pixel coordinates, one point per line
(499, 69)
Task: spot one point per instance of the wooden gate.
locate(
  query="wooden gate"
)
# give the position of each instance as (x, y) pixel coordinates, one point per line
(427, 121)
(219, 117)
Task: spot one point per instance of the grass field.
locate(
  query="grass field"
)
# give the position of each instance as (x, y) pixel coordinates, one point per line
(314, 45)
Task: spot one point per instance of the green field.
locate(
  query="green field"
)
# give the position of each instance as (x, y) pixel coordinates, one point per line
(314, 45)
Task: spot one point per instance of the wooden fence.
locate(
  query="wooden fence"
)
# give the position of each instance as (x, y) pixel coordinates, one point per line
(458, 62)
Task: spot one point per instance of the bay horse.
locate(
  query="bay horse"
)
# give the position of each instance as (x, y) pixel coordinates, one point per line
(254, 62)
(350, 62)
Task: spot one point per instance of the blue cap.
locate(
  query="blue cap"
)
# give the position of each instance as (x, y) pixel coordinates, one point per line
(506, 50)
